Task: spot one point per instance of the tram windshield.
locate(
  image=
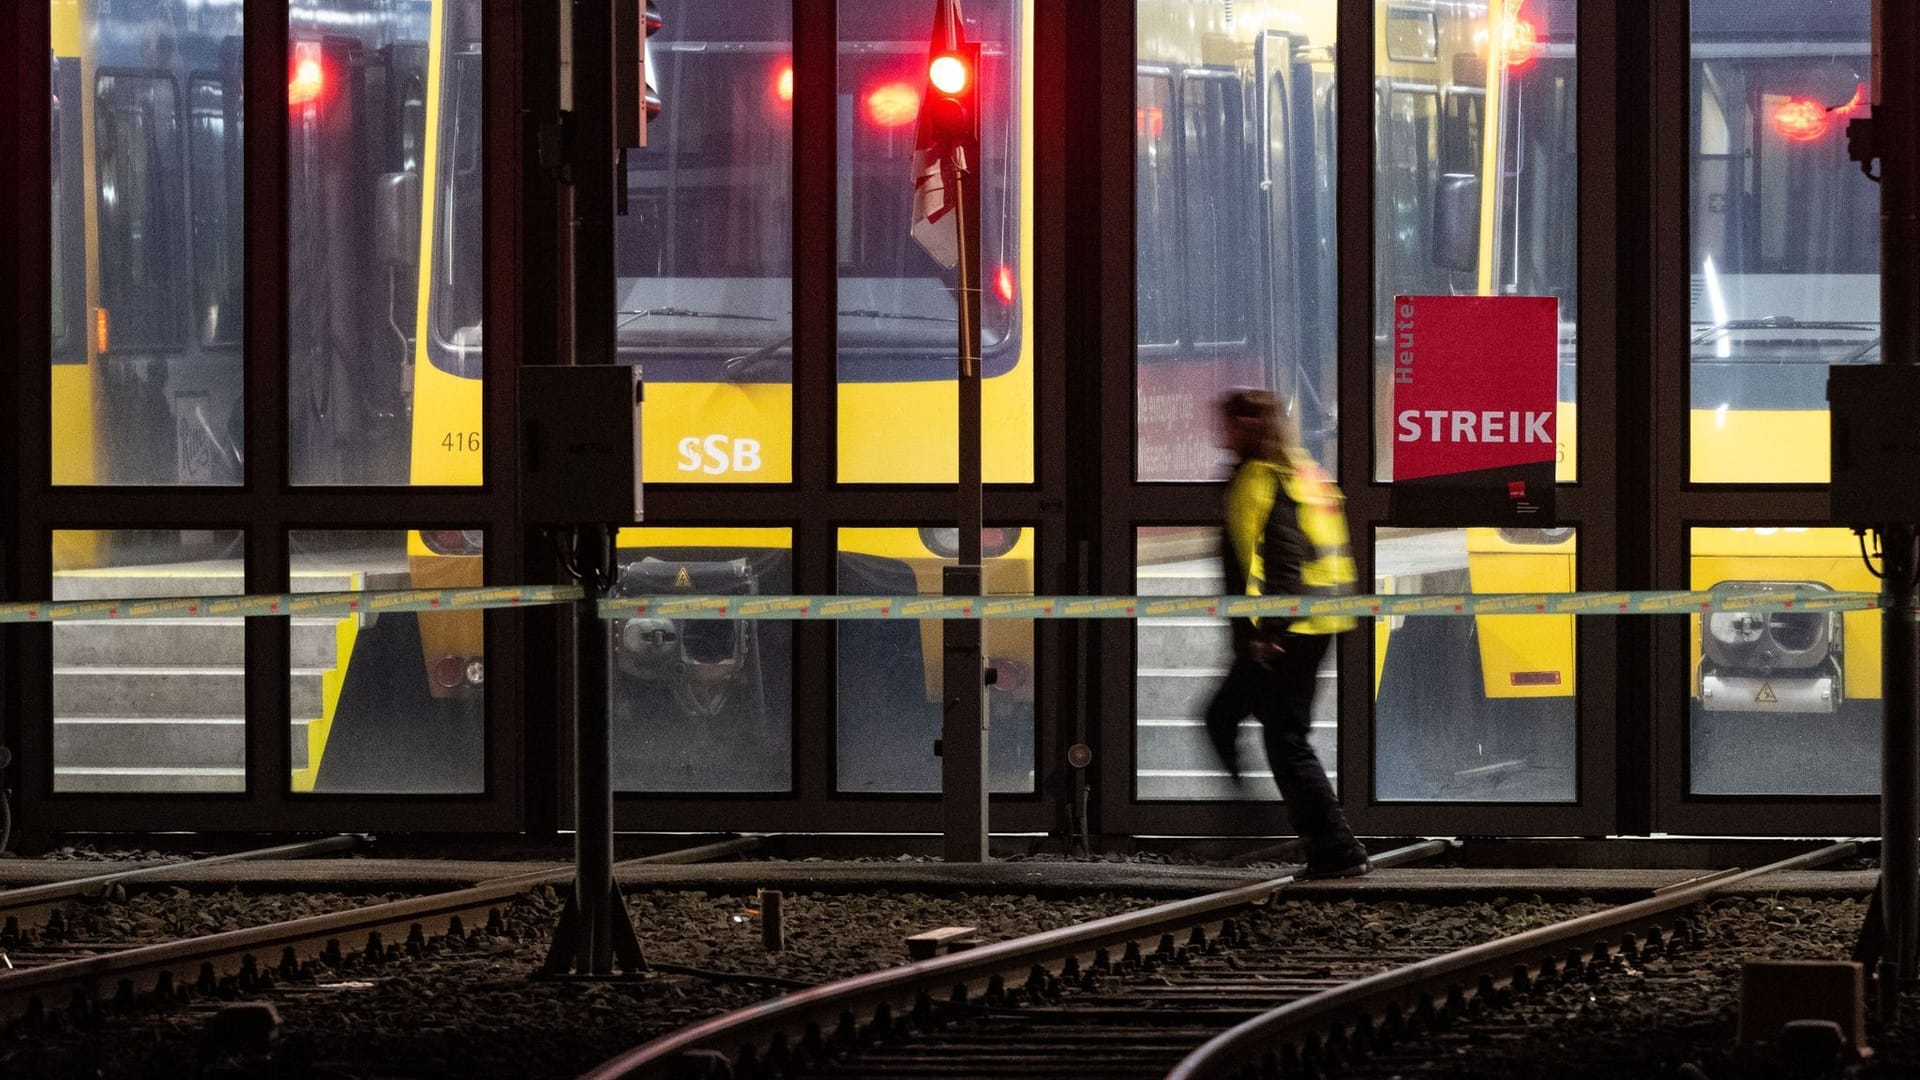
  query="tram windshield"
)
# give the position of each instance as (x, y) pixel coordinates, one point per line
(704, 254)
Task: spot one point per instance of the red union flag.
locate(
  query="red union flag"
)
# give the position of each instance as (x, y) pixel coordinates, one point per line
(935, 226)
(1475, 400)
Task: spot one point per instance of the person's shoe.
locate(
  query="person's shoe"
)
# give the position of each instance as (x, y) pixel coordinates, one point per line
(1320, 871)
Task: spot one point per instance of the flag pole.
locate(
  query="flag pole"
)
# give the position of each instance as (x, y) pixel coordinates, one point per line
(964, 729)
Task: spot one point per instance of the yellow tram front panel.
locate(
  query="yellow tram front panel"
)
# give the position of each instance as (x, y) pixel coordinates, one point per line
(1828, 556)
(1523, 656)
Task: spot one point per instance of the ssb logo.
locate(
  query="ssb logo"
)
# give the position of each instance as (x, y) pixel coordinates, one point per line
(717, 455)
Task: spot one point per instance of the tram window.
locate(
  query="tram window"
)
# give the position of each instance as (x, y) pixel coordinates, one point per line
(216, 307)
(457, 299)
(1156, 208)
(712, 200)
(1412, 35)
(1218, 218)
(137, 131)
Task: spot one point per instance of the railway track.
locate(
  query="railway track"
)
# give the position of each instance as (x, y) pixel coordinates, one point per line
(1182, 990)
(121, 976)
(25, 910)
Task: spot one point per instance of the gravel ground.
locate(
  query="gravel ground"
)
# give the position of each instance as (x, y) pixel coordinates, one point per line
(1674, 1016)
(474, 1012)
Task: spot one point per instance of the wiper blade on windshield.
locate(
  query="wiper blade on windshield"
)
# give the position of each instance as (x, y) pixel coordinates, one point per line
(870, 313)
(738, 367)
(686, 313)
(1779, 322)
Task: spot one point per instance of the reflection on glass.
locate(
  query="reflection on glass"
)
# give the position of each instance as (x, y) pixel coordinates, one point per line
(147, 241)
(152, 705)
(1786, 242)
(1786, 703)
(1234, 222)
(890, 671)
(703, 705)
(1476, 179)
(898, 329)
(1181, 662)
(384, 242)
(704, 255)
(1474, 708)
(389, 703)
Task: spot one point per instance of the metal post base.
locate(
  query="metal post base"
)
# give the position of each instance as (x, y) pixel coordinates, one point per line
(573, 956)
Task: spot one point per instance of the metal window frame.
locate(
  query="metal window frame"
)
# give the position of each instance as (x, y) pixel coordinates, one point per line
(1679, 505)
(1126, 505)
(815, 505)
(265, 505)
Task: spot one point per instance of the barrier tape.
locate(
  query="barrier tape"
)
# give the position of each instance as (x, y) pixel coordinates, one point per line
(841, 608)
(290, 605)
(1171, 607)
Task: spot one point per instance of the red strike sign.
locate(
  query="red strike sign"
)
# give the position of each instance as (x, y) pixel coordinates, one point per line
(1474, 383)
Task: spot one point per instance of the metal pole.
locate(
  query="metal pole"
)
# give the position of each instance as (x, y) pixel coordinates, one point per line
(595, 928)
(963, 727)
(593, 793)
(1896, 120)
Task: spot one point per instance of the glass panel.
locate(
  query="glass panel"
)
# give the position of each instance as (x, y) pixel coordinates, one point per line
(898, 332)
(1786, 703)
(703, 705)
(1786, 233)
(384, 242)
(147, 298)
(1476, 183)
(704, 255)
(1234, 229)
(150, 705)
(1474, 708)
(393, 703)
(1179, 665)
(890, 672)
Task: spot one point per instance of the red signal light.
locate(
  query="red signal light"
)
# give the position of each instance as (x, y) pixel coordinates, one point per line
(1003, 285)
(1800, 120)
(949, 74)
(1522, 43)
(309, 76)
(783, 83)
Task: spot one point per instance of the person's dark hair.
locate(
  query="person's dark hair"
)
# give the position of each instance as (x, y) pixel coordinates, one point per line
(1278, 441)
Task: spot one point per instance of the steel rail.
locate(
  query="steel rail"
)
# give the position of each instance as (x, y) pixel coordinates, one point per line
(21, 906)
(1476, 970)
(126, 974)
(899, 986)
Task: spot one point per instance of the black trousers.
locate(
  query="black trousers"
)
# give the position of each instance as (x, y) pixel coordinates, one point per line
(1280, 696)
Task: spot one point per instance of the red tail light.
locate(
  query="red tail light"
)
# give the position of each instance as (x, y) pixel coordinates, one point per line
(1522, 43)
(1800, 120)
(308, 77)
(1003, 285)
(893, 105)
(994, 541)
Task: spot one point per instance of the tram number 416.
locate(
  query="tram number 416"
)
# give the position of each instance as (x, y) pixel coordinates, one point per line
(461, 442)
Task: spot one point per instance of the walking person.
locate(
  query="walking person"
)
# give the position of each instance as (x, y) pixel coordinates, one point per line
(1284, 533)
